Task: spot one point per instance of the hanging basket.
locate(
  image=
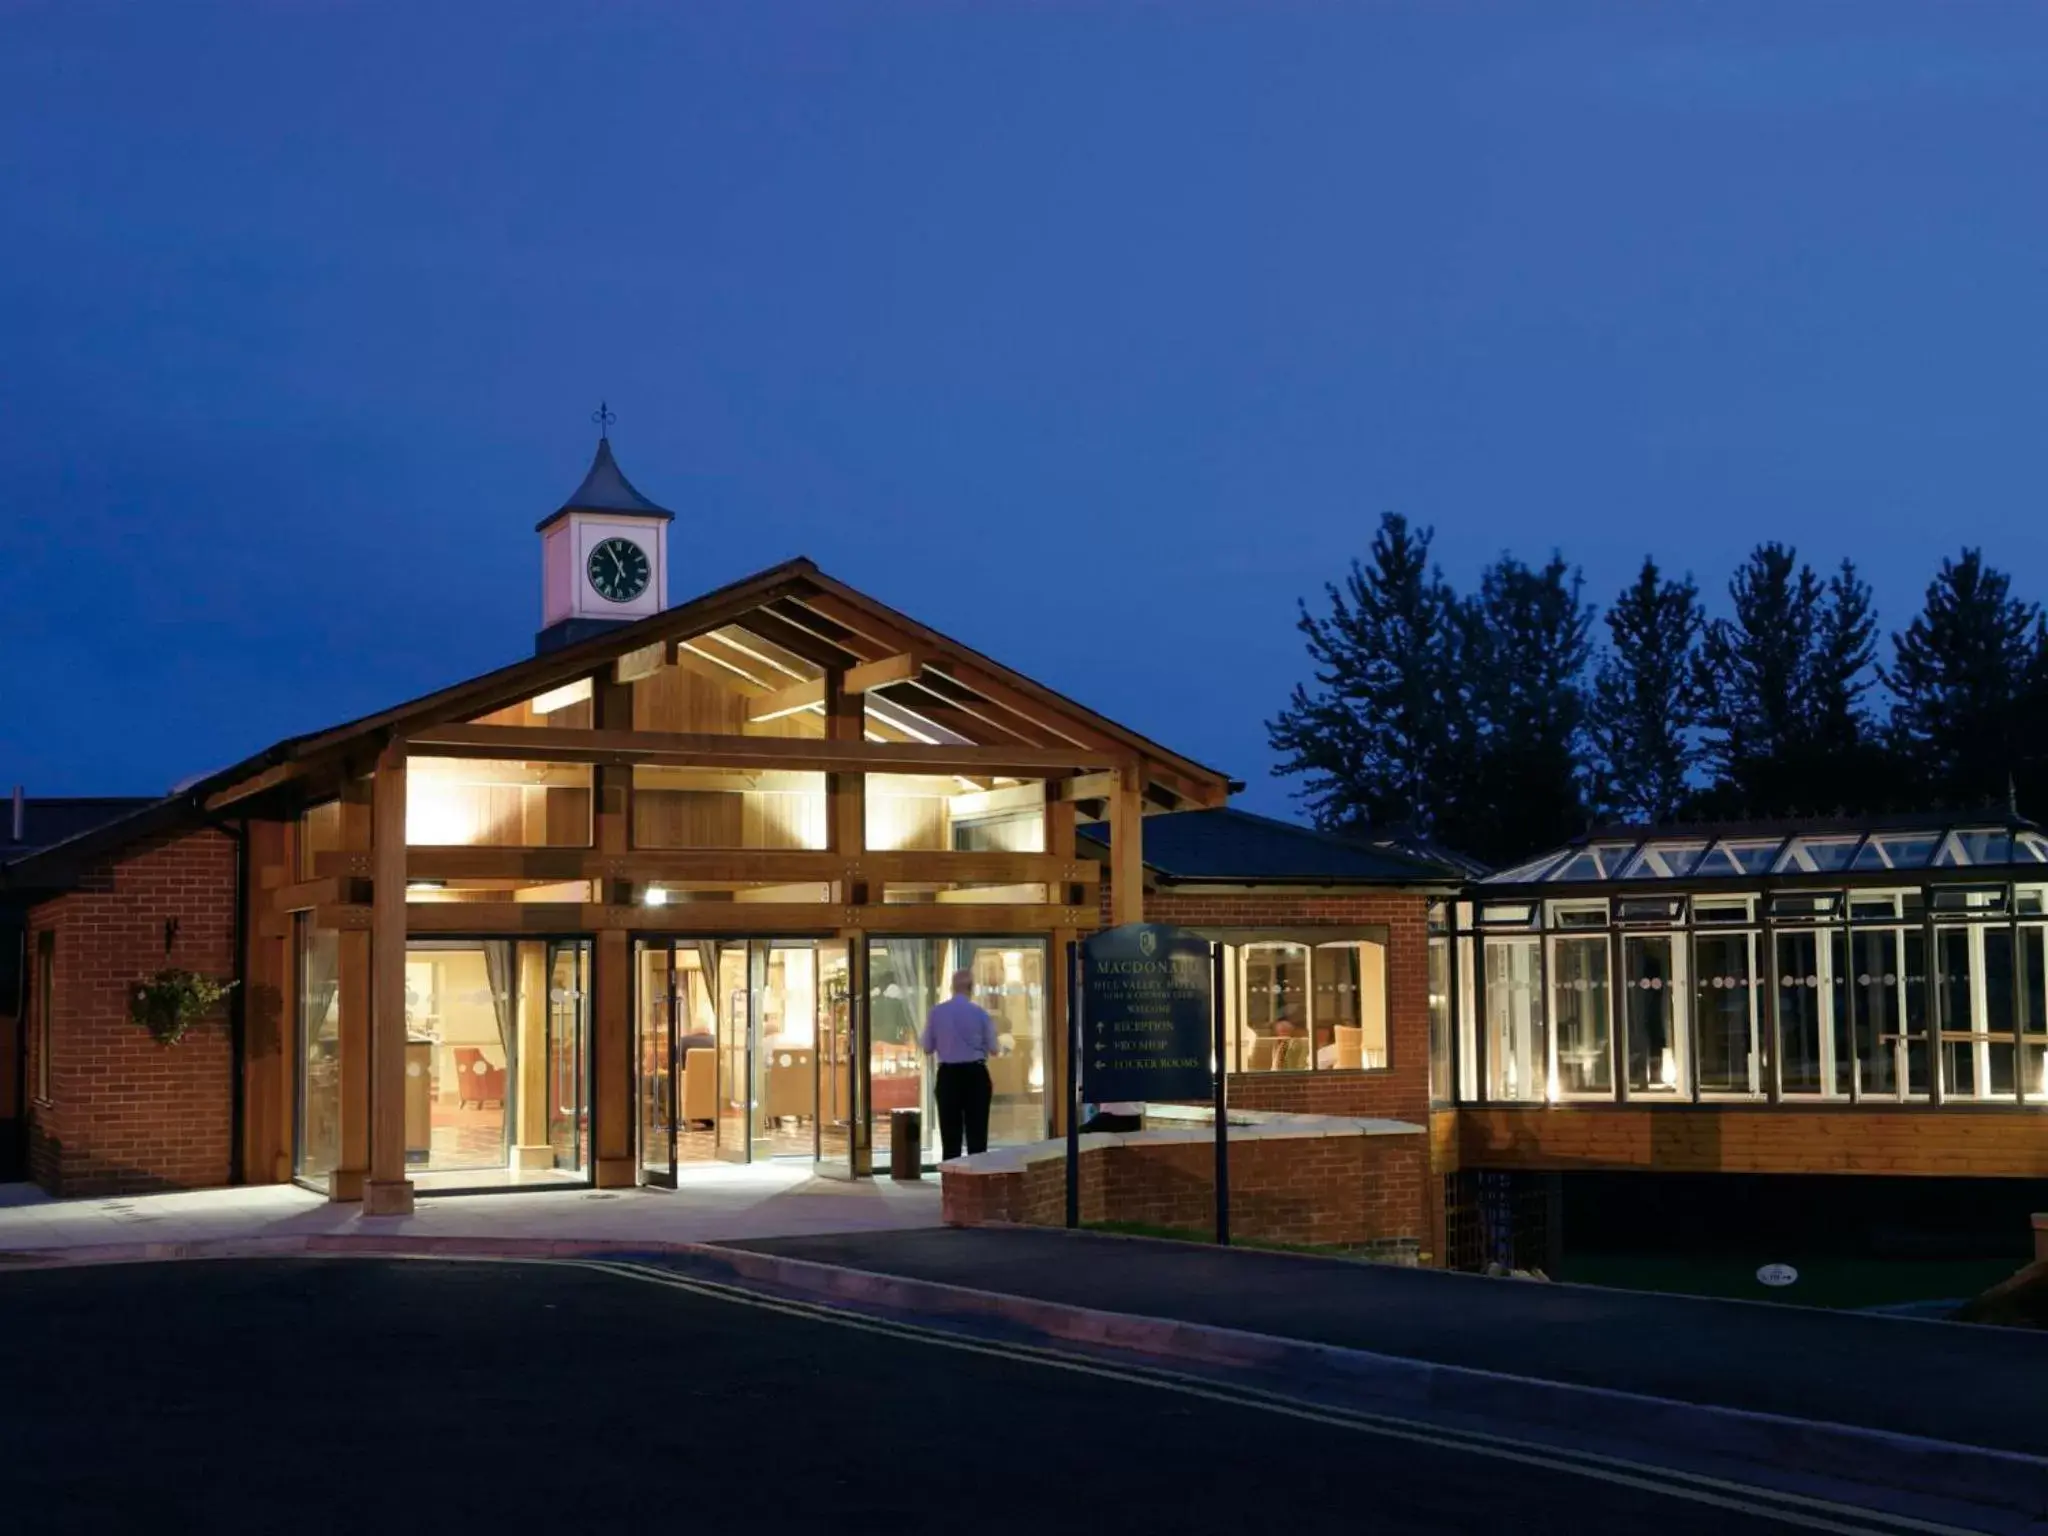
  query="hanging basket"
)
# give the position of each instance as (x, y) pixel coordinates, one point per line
(172, 1001)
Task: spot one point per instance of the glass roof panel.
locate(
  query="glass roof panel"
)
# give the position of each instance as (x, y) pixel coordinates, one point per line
(1816, 855)
(1583, 865)
(1663, 861)
(1975, 845)
(1739, 856)
(2030, 845)
(1533, 870)
(1897, 850)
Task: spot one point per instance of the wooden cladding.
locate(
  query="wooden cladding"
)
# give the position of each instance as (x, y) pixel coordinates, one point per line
(1732, 1138)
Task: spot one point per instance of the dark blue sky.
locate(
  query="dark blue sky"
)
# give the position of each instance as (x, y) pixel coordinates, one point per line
(1092, 335)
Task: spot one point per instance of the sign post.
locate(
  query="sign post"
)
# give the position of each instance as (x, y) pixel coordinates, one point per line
(1146, 1027)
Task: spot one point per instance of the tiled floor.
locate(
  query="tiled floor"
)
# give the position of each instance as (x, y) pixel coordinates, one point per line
(713, 1202)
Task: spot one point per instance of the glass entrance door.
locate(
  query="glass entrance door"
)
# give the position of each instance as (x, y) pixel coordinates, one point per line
(655, 1057)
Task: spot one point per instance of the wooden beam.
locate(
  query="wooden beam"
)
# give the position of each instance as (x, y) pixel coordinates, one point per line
(305, 895)
(1088, 786)
(870, 675)
(268, 779)
(664, 866)
(796, 699)
(389, 1191)
(549, 744)
(719, 917)
(1127, 848)
(645, 662)
(352, 1019)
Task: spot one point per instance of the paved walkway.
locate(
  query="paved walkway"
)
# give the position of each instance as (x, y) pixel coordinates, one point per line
(721, 1203)
(1944, 1381)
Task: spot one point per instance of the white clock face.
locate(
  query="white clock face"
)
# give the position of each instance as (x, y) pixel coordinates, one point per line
(618, 569)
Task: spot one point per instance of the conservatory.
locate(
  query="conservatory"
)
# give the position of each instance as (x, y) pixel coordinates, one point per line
(1875, 961)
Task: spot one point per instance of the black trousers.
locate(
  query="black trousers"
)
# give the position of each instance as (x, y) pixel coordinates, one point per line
(963, 1092)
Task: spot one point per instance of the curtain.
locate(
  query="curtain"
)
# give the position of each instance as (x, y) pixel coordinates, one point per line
(498, 969)
(319, 961)
(707, 967)
(910, 965)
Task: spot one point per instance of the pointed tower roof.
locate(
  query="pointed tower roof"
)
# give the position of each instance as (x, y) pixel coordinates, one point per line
(605, 489)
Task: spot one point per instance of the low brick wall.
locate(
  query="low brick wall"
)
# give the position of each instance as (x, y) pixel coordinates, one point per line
(1293, 1179)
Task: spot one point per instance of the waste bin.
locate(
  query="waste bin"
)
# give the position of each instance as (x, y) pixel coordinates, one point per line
(906, 1144)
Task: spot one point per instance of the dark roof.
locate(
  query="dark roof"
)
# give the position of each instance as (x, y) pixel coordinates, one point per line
(605, 489)
(55, 819)
(1819, 845)
(1233, 847)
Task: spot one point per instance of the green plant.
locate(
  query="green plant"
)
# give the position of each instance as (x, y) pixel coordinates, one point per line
(173, 1000)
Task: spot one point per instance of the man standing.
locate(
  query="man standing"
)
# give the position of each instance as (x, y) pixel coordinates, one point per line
(963, 1037)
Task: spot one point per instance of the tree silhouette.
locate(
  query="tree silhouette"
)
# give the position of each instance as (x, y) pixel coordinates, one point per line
(1645, 699)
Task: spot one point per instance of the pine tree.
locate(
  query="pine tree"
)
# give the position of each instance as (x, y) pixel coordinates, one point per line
(1373, 739)
(1961, 676)
(1751, 674)
(1645, 697)
(1526, 644)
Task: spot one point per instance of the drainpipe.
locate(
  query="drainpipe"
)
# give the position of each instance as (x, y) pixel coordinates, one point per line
(20, 816)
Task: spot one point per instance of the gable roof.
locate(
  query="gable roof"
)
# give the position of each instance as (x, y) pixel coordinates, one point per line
(1233, 847)
(792, 612)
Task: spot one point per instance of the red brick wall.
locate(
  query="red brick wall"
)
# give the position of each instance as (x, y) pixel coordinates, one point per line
(1338, 1190)
(127, 1115)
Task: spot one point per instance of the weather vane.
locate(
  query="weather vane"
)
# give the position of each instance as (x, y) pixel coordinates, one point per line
(604, 416)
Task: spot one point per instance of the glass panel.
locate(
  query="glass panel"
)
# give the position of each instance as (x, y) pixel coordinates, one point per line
(1913, 943)
(1839, 1061)
(461, 1045)
(2030, 846)
(1724, 1002)
(696, 1049)
(1975, 845)
(1583, 865)
(567, 1054)
(710, 808)
(655, 1054)
(1350, 1002)
(1954, 986)
(1802, 1002)
(1652, 972)
(2000, 997)
(1440, 1021)
(940, 812)
(1275, 1007)
(319, 832)
(1817, 855)
(318, 1144)
(1517, 1050)
(904, 977)
(1533, 870)
(1009, 982)
(1879, 983)
(1739, 856)
(1910, 850)
(1664, 861)
(473, 802)
(736, 1096)
(837, 1098)
(1468, 1023)
(2034, 1010)
(1578, 1002)
(786, 1015)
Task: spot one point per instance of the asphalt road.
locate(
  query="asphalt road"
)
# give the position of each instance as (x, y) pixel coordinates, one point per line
(345, 1395)
(1976, 1386)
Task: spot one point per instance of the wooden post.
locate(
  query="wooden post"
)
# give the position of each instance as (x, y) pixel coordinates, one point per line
(611, 1069)
(1059, 982)
(352, 1019)
(846, 799)
(1127, 847)
(389, 1191)
(268, 1013)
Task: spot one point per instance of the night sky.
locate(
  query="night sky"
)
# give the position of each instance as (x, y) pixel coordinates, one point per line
(1091, 335)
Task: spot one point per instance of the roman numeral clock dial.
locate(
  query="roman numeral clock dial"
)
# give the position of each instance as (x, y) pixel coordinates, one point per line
(618, 570)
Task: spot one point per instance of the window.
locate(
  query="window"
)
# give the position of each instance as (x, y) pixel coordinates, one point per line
(1653, 979)
(1976, 993)
(1517, 1046)
(1724, 1003)
(1440, 1018)
(46, 1009)
(937, 813)
(475, 802)
(2033, 1021)
(1302, 1007)
(1578, 1001)
(711, 808)
(318, 1145)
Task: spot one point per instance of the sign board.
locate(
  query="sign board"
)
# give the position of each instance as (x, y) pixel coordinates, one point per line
(1145, 1010)
(1777, 1274)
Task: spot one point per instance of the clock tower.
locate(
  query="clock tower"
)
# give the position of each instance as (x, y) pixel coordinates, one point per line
(604, 555)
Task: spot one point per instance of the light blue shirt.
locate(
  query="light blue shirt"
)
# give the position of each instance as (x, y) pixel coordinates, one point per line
(959, 1030)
